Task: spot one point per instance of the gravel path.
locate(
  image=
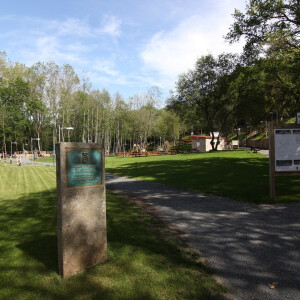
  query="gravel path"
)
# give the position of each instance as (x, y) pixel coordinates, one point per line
(27, 161)
(248, 246)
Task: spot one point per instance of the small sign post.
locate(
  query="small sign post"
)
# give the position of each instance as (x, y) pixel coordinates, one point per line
(53, 153)
(271, 161)
(35, 155)
(81, 207)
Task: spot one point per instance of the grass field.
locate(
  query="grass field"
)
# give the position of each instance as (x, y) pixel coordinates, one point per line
(241, 175)
(141, 264)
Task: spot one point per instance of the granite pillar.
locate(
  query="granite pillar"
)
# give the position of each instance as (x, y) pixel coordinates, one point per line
(81, 207)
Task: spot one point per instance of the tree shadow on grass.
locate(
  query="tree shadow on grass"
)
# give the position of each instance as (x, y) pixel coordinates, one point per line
(37, 218)
(43, 249)
(28, 233)
(30, 220)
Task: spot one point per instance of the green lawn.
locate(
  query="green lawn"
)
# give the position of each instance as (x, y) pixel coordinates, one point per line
(141, 264)
(240, 174)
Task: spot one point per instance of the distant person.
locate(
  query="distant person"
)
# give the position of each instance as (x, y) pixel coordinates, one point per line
(35, 155)
(19, 160)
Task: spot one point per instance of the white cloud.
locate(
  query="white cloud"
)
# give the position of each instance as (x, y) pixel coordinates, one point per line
(63, 41)
(73, 27)
(107, 81)
(93, 42)
(171, 53)
(111, 26)
(105, 66)
(51, 48)
(121, 79)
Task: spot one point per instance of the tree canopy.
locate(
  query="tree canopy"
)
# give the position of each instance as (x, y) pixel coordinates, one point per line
(206, 93)
(266, 23)
(271, 28)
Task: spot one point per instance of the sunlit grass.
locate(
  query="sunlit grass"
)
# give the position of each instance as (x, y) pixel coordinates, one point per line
(241, 175)
(141, 263)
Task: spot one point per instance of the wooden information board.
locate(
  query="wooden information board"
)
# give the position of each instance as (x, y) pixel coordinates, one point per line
(284, 152)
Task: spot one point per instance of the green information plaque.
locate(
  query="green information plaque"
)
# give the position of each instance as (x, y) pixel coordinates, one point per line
(83, 167)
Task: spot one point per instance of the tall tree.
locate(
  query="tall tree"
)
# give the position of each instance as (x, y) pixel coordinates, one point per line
(168, 126)
(14, 101)
(208, 90)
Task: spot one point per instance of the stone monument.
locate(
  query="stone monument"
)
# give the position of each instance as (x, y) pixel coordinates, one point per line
(81, 207)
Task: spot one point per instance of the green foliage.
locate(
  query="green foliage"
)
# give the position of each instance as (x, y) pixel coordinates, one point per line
(259, 136)
(266, 22)
(209, 91)
(268, 85)
(168, 125)
(270, 82)
(183, 147)
(14, 100)
(241, 136)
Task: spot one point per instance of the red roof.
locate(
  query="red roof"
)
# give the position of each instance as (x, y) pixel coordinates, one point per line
(198, 137)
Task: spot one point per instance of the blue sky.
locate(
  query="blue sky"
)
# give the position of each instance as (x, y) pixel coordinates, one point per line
(122, 46)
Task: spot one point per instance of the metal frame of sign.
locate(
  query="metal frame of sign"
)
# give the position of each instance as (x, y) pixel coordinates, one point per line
(272, 170)
(83, 149)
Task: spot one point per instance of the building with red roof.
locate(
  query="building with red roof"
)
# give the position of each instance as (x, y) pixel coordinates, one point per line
(201, 143)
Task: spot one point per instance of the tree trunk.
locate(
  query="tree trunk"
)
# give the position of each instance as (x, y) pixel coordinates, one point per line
(96, 126)
(88, 126)
(4, 141)
(39, 145)
(83, 128)
(218, 142)
(212, 142)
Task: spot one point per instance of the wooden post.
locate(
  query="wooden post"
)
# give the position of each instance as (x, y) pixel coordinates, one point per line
(271, 161)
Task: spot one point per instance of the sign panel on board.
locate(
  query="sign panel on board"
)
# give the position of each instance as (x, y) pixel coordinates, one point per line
(83, 167)
(287, 149)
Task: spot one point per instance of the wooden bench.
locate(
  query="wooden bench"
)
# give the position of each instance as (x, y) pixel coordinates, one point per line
(163, 152)
(151, 153)
(137, 154)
